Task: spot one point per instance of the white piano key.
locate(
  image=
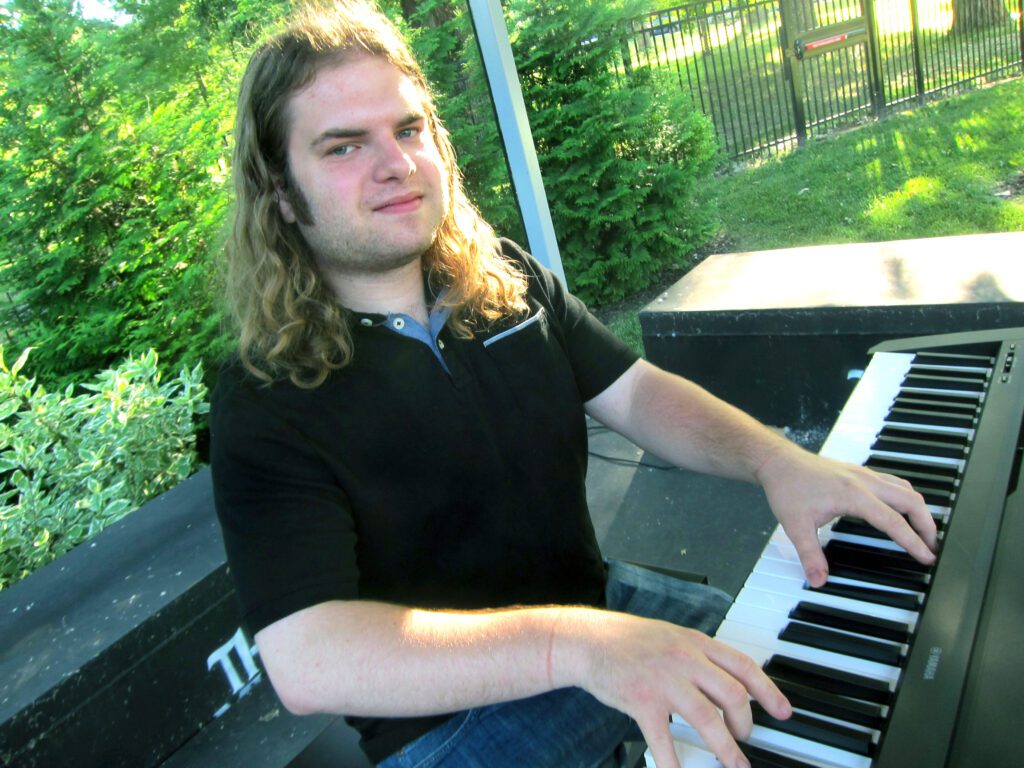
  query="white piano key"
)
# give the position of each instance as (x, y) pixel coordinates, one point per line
(867, 541)
(774, 621)
(794, 572)
(690, 756)
(796, 747)
(774, 741)
(786, 569)
(862, 417)
(785, 564)
(761, 645)
(783, 595)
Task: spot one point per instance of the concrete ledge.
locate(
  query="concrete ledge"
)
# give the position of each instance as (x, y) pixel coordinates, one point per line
(127, 651)
(780, 333)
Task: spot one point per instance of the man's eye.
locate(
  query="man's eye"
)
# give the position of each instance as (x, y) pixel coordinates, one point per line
(341, 150)
(408, 133)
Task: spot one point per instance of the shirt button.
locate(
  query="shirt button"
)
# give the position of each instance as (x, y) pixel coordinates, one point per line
(398, 324)
(440, 344)
(366, 322)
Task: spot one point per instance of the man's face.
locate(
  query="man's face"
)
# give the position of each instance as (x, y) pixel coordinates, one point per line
(363, 161)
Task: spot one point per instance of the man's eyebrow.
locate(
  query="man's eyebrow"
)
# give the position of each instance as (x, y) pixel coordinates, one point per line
(409, 119)
(337, 133)
(356, 133)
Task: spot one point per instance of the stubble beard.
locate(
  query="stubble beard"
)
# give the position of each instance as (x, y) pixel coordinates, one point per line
(365, 255)
(342, 250)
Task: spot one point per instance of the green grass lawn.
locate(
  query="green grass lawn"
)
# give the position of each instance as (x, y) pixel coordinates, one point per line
(937, 170)
(949, 168)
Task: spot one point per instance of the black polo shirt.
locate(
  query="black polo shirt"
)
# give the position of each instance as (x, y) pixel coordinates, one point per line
(432, 471)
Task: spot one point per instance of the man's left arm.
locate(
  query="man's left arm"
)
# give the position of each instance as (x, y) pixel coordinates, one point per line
(687, 426)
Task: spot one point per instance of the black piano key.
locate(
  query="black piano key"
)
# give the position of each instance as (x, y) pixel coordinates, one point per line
(955, 439)
(929, 474)
(854, 526)
(943, 402)
(849, 621)
(849, 710)
(835, 681)
(892, 569)
(818, 731)
(762, 758)
(902, 412)
(958, 401)
(910, 601)
(910, 581)
(842, 643)
(962, 383)
(900, 440)
(943, 477)
(953, 358)
(959, 372)
(939, 494)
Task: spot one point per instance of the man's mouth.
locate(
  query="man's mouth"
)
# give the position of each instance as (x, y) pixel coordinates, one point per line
(400, 204)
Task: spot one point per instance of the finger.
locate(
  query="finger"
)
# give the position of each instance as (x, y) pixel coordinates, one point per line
(731, 697)
(902, 497)
(746, 671)
(808, 549)
(706, 720)
(895, 526)
(659, 741)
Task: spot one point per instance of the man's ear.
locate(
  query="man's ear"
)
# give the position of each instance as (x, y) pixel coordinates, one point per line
(284, 204)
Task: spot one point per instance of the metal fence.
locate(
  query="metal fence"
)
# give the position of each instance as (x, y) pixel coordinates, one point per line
(770, 73)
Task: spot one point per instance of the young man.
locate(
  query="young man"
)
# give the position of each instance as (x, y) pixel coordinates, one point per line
(399, 452)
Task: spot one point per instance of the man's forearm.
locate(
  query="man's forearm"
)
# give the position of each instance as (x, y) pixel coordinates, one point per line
(686, 425)
(375, 659)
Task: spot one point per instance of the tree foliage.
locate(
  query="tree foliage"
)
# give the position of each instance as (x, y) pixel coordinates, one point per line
(115, 150)
(620, 160)
(115, 180)
(620, 156)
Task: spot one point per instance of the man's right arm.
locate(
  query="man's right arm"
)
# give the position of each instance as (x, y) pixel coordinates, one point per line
(380, 660)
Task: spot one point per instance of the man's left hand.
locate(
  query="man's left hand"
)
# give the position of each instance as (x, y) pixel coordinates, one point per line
(806, 491)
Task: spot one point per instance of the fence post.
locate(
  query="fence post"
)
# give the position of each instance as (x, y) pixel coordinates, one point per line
(918, 62)
(1020, 29)
(794, 72)
(877, 85)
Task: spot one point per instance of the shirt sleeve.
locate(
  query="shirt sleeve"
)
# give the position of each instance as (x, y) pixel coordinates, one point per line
(598, 357)
(288, 530)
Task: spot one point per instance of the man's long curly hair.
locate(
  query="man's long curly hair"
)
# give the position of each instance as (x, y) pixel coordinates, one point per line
(289, 322)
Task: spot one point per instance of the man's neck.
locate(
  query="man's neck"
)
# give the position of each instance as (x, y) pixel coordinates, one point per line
(398, 290)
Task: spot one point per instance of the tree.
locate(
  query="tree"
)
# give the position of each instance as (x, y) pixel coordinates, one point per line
(620, 163)
(115, 182)
(972, 15)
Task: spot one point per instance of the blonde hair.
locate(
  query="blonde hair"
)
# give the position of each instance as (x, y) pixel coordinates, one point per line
(290, 324)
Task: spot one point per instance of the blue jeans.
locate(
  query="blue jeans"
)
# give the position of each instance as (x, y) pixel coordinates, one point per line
(567, 728)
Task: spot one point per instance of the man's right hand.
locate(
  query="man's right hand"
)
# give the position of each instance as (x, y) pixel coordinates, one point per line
(649, 669)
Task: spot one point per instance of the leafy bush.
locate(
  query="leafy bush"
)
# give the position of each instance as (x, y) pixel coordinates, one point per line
(71, 464)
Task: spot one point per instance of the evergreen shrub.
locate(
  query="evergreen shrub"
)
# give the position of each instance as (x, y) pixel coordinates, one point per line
(621, 156)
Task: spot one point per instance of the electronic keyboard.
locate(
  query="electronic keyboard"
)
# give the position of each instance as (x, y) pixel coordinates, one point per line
(892, 663)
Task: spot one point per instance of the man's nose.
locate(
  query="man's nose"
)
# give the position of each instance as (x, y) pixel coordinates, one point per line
(394, 162)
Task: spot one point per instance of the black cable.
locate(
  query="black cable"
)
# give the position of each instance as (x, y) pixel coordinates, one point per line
(618, 460)
(630, 462)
